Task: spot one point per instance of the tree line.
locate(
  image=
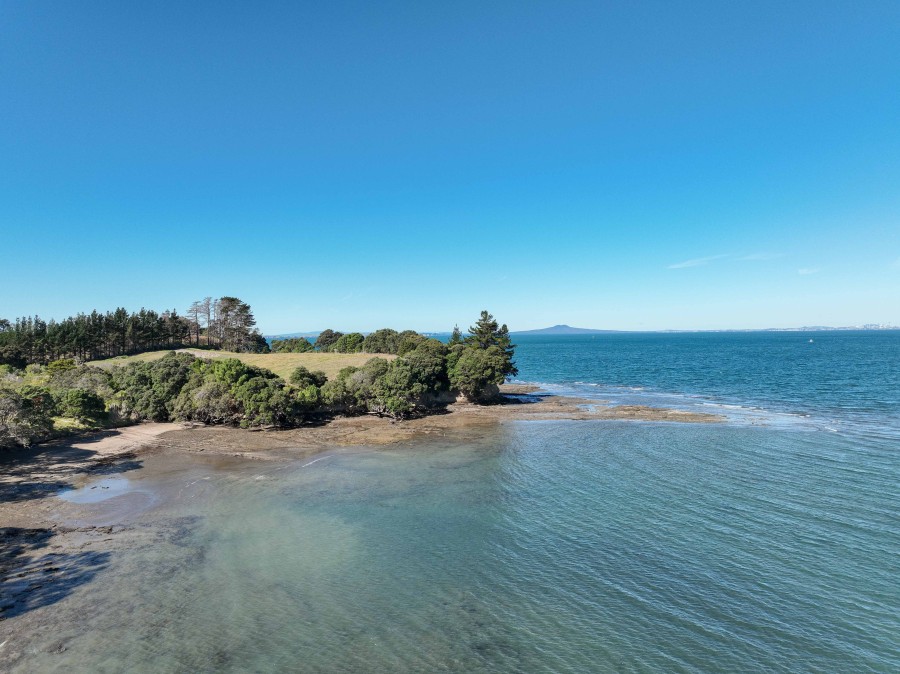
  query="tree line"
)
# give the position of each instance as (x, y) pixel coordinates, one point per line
(385, 340)
(226, 323)
(181, 387)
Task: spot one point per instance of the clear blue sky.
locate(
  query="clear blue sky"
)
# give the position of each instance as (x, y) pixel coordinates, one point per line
(631, 165)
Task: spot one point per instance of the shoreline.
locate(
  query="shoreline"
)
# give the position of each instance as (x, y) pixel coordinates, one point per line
(39, 530)
(31, 478)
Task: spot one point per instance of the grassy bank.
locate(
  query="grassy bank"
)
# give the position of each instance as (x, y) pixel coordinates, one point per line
(281, 364)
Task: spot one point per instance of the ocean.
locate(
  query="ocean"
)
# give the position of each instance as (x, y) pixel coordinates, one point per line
(766, 543)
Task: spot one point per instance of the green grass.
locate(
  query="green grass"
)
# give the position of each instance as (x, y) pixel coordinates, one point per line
(281, 364)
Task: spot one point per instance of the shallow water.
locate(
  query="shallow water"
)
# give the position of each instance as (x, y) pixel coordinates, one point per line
(770, 543)
(99, 490)
(549, 546)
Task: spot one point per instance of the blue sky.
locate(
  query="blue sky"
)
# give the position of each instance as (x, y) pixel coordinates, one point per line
(629, 165)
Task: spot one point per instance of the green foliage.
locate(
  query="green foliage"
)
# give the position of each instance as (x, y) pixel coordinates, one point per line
(302, 377)
(23, 419)
(148, 390)
(477, 372)
(291, 345)
(234, 327)
(396, 391)
(61, 365)
(83, 405)
(349, 343)
(179, 386)
(326, 338)
(232, 372)
(455, 337)
(428, 362)
(361, 382)
(228, 391)
(309, 397)
(94, 379)
(336, 395)
(256, 343)
(263, 401)
(408, 340)
(11, 353)
(385, 340)
(486, 333)
(40, 399)
(207, 401)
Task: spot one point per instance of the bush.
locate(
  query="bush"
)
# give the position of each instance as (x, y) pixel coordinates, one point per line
(82, 405)
(382, 341)
(149, 390)
(349, 343)
(291, 345)
(264, 402)
(61, 365)
(23, 420)
(407, 341)
(302, 377)
(326, 338)
(477, 372)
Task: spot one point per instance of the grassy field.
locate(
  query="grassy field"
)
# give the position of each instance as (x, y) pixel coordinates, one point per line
(281, 364)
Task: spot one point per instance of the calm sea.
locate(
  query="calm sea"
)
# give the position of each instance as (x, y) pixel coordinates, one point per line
(768, 543)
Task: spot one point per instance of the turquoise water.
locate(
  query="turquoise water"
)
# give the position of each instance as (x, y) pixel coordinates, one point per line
(769, 543)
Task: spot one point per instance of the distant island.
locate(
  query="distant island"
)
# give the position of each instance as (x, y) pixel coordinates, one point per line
(563, 330)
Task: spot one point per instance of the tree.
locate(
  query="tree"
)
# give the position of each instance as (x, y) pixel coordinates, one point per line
(206, 311)
(326, 338)
(22, 420)
(477, 373)
(82, 405)
(302, 377)
(382, 341)
(60, 366)
(234, 325)
(408, 340)
(428, 362)
(349, 343)
(486, 333)
(395, 392)
(194, 312)
(291, 345)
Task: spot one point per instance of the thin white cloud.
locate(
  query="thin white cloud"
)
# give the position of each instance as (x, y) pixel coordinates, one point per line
(696, 262)
(763, 256)
(806, 271)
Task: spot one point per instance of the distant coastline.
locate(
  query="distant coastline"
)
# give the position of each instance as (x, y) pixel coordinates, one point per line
(562, 330)
(559, 330)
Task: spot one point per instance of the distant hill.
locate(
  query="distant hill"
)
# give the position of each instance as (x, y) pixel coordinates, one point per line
(563, 330)
(289, 335)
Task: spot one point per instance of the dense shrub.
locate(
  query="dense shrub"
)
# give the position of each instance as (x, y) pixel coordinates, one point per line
(148, 390)
(477, 373)
(24, 419)
(349, 343)
(82, 405)
(291, 345)
(326, 338)
(385, 340)
(301, 377)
